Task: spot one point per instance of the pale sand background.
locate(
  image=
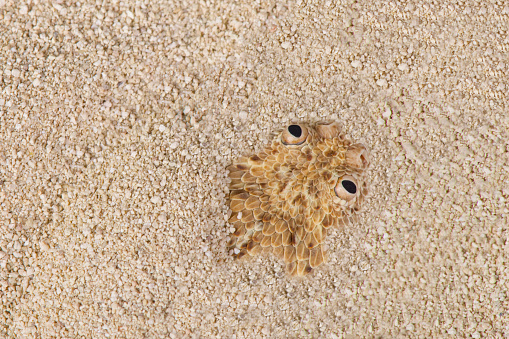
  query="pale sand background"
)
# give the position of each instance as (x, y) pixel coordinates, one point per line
(117, 122)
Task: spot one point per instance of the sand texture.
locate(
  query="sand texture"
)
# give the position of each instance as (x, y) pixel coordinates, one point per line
(118, 120)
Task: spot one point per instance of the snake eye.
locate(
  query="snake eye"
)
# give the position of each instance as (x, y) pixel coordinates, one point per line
(346, 188)
(294, 135)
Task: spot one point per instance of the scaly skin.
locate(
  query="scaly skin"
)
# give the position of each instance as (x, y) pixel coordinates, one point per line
(285, 198)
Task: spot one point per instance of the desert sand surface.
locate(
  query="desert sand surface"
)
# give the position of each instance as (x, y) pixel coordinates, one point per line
(118, 119)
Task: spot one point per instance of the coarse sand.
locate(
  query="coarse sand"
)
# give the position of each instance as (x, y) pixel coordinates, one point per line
(118, 119)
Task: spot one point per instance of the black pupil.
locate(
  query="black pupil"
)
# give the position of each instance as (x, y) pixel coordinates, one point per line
(295, 130)
(349, 186)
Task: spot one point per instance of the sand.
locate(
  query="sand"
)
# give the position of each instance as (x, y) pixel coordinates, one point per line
(117, 121)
